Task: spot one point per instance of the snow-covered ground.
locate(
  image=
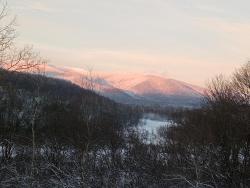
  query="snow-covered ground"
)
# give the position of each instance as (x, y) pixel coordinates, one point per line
(150, 123)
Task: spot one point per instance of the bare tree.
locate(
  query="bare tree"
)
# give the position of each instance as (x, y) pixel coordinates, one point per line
(88, 80)
(12, 58)
(23, 60)
(7, 30)
(241, 83)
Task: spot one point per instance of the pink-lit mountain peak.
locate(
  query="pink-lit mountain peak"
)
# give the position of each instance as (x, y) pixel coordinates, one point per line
(163, 86)
(128, 86)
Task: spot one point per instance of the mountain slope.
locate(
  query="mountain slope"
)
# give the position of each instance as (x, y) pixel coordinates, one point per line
(132, 88)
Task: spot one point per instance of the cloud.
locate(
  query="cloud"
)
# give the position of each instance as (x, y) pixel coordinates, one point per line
(36, 5)
(224, 25)
(39, 6)
(233, 35)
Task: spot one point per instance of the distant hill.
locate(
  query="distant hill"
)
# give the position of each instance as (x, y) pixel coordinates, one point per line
(133, 88)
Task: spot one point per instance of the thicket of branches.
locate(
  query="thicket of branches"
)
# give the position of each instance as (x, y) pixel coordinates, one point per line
(210, 147)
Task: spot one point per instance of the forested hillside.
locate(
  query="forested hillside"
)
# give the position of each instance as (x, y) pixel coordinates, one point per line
(46, 121)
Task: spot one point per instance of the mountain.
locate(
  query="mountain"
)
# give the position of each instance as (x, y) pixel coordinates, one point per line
(132, 88)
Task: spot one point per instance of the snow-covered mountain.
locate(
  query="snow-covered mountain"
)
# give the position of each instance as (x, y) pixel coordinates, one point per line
(132, 88)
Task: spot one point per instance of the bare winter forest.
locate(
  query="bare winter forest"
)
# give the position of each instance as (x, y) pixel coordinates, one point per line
(54, 133)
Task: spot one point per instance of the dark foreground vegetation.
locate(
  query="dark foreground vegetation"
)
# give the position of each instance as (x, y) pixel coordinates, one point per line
(49, 125)
(56, 134)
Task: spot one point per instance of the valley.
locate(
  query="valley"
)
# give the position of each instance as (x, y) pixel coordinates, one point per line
(140, 120)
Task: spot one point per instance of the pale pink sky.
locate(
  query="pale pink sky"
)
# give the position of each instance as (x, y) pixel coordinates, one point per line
(189, 40)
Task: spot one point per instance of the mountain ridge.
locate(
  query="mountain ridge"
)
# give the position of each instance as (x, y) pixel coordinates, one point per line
(139, 89)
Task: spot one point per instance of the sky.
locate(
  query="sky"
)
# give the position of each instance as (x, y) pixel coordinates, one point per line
(188, 40)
